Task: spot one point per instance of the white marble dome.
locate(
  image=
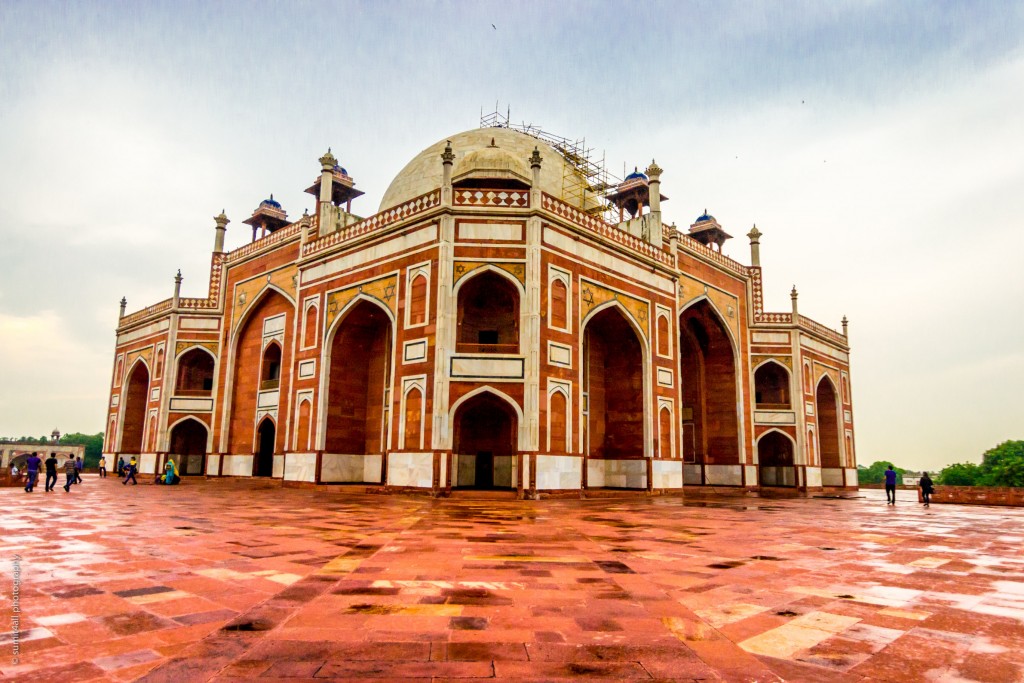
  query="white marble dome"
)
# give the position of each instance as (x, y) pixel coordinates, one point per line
(473, 156)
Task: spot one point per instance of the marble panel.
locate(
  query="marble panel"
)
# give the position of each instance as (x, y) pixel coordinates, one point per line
(414, 351)
(691, 474)
(147, 463)
(371, 468)
(821, 347)
(751, 474)
(360, 257)
(608, 262)
(465, 470)
(307, 368)
(299, 467)
(212, 464)
(775, 417)
(771, 337)
(851, 477)
(277, 467)
(622, 474)
(504, 470)
(238, 465)
(343, 467)
(273, 325)
(813, 477)
(559, 354)
(506, 232)
(526, 471)
(555, 472)
(191, 405)
(444, 469)
(831, 476)
(153, 328)
(667, 474)
(199, 324)
(723, 475)
(411, 469)
(268, 399)
(487, 367)
(664, 377)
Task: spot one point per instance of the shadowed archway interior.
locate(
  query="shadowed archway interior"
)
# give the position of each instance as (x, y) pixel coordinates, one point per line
(828, 424)
(485, 429)
(188, 446)
(613, 380)
(775, 460)
(136, 397)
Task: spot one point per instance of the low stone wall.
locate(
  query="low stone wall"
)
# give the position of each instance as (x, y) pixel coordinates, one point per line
(977, 495)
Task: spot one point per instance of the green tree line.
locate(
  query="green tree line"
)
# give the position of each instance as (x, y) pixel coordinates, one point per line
(93, 444)
(1000, 466)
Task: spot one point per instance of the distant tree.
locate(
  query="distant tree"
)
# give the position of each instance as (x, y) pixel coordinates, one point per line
(960, 474)
(93, 445)
(875, 473)
(1004, 465)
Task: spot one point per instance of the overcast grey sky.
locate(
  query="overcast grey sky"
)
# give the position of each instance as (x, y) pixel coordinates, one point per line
(878, 146)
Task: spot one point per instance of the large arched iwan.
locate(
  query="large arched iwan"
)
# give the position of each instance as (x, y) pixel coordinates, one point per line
(136, 397)
(488, 315)
(613, 380)
(707, 375)
(775, 460)
(359, 374)
(248, 360)
(828, 423)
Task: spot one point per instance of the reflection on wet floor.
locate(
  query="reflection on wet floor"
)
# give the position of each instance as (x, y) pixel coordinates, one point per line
(223, 580)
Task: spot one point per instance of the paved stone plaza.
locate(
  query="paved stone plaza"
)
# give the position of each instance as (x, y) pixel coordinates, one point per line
(227, 580)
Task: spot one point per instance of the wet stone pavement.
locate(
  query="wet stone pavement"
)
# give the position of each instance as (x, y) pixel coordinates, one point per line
(229, 580)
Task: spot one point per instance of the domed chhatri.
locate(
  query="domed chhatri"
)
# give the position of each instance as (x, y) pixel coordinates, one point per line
(493, 326)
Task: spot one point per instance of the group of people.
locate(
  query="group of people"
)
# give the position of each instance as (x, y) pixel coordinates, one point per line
(72, 469)
(926, 484)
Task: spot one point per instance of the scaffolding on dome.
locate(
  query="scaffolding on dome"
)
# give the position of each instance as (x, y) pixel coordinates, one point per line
(585, 179)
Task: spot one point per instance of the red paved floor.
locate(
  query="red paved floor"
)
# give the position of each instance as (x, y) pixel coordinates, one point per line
(225, 580)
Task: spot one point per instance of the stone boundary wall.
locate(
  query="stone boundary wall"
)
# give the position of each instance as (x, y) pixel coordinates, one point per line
(977, 495)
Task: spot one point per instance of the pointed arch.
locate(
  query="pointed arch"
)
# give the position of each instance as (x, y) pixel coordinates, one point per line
(772, 386)
(484, 428)
(194, 371)
(827, 412)
(134, 413)
(558, 434)
(523, 433)
(615, 377)
(489, 312)
(776, 458)
(188, 442)
(710, 388)
(354, 417)
(264, 447)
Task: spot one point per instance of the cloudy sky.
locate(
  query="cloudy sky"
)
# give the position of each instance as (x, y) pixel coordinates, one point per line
(878, 146)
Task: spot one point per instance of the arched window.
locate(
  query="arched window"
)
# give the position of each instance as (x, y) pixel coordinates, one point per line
(270, 375)
(302, 433)
(418, 300)
(413, 419)
(665, 433)
(559, 304)
(309, 327)
(159, 363)
(771, 387)
(488, 319)
(556, 422)
(195, 374)
(807, 378)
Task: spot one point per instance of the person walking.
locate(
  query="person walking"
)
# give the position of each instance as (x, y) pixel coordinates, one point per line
(32, 474)
(927, 489)
(70, 472)
(103, 466)
(120, 467)
(78, 469)
(890, 486)
(129, 472)
(51, 471)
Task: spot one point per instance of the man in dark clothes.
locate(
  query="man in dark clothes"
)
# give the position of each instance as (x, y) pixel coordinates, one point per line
(129, 472)
(926, 489)
(70, 471)
(78, 469)
(890, 486)
(51, 471)
(32, 464)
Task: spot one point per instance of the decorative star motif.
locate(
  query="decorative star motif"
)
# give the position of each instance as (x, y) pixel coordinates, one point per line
(389, 292)
(642, 315)
(588, 297)
(460, 269)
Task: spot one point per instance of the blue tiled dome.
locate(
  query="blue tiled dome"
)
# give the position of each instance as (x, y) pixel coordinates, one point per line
(704, 217)
(271, 202)
(340, 169)
(635, 174)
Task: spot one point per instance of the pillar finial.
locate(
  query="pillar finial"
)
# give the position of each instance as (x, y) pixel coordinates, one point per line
(535, 158)
(448, 156)
(845, 323)
(124, 305)
(793, 294)
(755, 246)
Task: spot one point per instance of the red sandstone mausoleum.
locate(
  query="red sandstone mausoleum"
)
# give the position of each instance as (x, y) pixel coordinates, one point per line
(511, 317)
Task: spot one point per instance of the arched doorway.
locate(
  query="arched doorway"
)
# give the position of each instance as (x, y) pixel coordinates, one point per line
(826, 408)
(614, 383)
(771, 387)
(485, 429)
(707, 377)
(360, 372)
(136, 397)
(188, 446)
(775, 460)
(266, 436)
(269, 319)
(488, 315)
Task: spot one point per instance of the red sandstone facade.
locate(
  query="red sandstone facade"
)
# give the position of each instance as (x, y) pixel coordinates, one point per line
(482, 331)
